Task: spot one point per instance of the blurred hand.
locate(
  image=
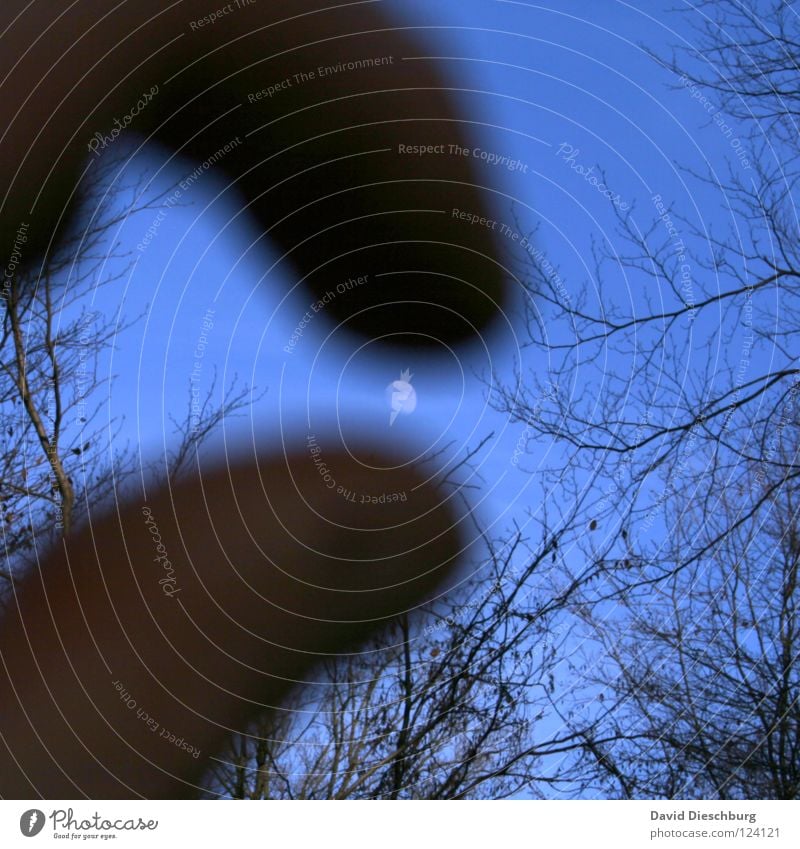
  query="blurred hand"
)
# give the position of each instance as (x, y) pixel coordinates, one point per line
(136, 647)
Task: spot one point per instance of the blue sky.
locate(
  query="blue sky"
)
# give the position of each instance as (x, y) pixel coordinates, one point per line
(563, 87)
(538, 81)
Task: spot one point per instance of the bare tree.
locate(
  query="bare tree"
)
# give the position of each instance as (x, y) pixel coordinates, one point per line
(699, 373)
(459, 701)
(58, 457)
(677, 408)
(54, 449)
(701, 677)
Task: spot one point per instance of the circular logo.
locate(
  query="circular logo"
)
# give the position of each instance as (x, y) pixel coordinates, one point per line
(31, 822)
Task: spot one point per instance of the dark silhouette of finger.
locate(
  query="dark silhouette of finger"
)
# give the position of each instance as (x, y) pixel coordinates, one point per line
(347, 148)
(179, 618)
